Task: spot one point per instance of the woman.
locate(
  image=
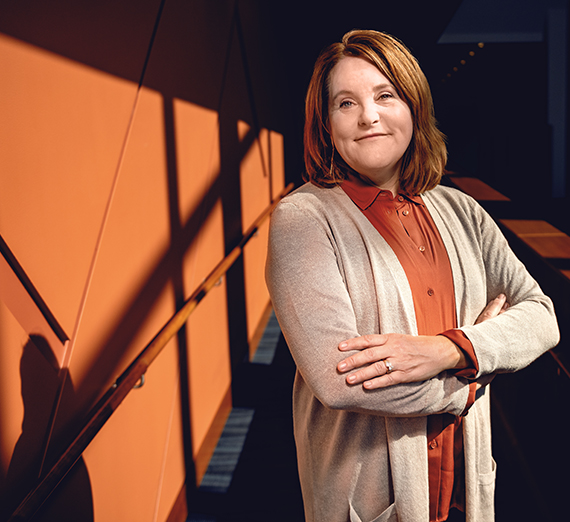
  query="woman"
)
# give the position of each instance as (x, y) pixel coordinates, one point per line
(391, 292)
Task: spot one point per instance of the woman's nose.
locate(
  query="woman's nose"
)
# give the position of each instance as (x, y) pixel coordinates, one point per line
(369, 114)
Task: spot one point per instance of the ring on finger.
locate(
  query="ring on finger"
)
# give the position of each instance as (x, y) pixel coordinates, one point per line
(389, 367)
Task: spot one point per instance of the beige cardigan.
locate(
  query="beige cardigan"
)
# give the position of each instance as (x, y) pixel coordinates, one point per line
(362, 455)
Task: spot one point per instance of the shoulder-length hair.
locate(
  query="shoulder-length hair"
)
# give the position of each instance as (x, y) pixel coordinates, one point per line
(425, 158)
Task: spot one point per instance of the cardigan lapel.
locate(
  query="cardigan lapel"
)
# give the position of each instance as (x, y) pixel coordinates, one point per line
(392, 286)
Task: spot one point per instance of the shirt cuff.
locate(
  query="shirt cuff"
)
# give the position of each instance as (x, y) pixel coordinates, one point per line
(471, 398)
(460, 339)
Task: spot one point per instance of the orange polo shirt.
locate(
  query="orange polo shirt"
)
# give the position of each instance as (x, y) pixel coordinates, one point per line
(406, 225)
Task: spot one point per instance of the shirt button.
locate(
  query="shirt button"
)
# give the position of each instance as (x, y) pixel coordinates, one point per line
(433, 444)
(400, 198)
(406, 212)
(431, 292)
(422, 248)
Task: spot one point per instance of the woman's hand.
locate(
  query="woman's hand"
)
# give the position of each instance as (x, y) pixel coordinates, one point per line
(412, 358)
(494, 308)
(386, 359)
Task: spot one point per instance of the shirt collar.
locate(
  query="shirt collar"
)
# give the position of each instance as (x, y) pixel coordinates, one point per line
(364, 194)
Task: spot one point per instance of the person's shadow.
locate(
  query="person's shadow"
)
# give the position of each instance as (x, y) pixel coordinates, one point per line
(72, 499)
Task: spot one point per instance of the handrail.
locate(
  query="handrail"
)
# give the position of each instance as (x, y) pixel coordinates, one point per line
(106, 406)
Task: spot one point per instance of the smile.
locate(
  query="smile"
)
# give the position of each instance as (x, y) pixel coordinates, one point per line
(369, 136)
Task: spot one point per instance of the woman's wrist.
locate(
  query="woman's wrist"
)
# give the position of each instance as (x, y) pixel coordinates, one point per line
(454, 355)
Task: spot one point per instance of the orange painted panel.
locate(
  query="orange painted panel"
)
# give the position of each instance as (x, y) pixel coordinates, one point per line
(138, 455)
(198, 169)
(255, 197)
(12, 340)
(134, 265)
(277, 163)
(208, 361)
(62, 130)
(254, 176)
(208, 337)
(259, 184)
(256, 294)
(173, 471)
(198, 159)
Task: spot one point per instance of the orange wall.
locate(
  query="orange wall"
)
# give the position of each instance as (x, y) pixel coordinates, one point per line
(117, 198)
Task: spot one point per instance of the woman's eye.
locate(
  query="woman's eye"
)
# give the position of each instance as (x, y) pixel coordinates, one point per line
(345, 104)
(386, 96)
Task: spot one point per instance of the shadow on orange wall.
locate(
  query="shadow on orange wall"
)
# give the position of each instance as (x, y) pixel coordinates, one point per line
(143, 284)
(109, 357)
(72, 501)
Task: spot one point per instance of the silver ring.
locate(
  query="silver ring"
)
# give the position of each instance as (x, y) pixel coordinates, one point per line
(389, 367)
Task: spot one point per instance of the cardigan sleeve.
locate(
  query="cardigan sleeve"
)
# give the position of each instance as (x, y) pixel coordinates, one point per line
(316, 311)
(514, 339)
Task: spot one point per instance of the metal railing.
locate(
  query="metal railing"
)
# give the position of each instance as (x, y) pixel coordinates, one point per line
(128, 380)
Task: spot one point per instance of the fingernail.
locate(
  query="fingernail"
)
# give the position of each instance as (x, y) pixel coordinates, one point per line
(342, 366)
(351, 378)
(342, 345)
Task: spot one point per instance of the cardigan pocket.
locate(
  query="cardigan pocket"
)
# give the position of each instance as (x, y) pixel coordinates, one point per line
(488, 479)
(487, 486)
(388, 515)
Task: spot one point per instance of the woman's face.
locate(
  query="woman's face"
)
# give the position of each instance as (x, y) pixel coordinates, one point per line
(371, 126)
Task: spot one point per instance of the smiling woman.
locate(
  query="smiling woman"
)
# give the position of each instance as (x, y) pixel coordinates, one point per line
(371, 126)
(423, 161)
(399, 300)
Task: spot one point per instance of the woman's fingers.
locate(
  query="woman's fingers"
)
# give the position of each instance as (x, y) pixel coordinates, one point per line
(369, 352)
(378, 368)
(401, 358)
(362, 342)
(494, 308)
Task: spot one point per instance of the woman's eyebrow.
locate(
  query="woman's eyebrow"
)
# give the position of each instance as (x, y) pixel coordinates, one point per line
(341, 93)
(383, 86)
